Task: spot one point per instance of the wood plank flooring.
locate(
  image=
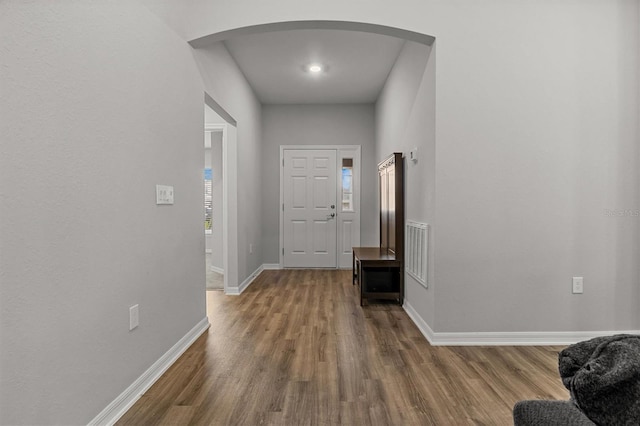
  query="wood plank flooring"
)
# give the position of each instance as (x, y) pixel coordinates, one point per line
(296, 348)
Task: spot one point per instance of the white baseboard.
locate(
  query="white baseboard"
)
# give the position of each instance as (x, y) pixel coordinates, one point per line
(236, 291)
(126, 399)
(271, 266)
(419, 322)
(216, 269)
(524, 338)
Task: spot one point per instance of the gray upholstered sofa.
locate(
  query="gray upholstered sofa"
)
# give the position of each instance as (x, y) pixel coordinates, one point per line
(542, 413)
(603, 377)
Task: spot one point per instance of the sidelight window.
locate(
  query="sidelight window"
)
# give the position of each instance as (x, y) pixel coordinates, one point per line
(347, 185)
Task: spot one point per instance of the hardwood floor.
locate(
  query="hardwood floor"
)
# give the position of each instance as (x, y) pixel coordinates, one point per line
(296, 348)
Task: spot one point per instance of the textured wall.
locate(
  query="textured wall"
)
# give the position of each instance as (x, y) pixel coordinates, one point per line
(405, 119)
(536, 139)
(100, 102)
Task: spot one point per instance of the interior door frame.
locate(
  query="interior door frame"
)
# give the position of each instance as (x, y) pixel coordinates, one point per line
(229, 195)
(342, 151)
(229, 204)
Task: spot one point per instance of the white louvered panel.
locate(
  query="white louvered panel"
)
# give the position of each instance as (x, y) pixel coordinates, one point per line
(417, 237)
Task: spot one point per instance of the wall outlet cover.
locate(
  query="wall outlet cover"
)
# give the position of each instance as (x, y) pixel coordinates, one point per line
(134, 317)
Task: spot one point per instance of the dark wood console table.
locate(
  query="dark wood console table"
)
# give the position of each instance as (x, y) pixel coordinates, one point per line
(378, 274)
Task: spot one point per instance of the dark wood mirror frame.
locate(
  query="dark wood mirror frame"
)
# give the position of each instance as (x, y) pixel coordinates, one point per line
(379, 271)
(391, 187)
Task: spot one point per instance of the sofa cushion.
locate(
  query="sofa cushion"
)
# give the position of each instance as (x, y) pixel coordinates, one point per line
(603, 376)
(549, 413)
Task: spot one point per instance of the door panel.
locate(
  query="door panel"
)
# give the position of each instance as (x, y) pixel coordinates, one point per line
(347, 237)
(321, 163)
(321, 231)
(322, 193)
(309, 195)
(299, 163)
(299, 192)
(299, 237)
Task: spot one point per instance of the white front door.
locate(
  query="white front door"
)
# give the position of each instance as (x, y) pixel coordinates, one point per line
(309, 197)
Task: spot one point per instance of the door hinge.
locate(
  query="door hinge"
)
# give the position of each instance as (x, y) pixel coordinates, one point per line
(283, 162)
(283, 251)
(282, 206)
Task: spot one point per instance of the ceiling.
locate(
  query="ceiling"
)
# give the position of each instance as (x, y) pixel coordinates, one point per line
(356, 65)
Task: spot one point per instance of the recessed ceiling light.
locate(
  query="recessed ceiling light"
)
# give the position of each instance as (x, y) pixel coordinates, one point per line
(315, 68)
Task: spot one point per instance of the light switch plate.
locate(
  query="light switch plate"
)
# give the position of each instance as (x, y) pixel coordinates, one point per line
(164, 194)
(578, 285)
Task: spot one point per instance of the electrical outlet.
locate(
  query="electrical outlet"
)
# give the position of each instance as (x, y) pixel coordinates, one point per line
(578, 285)
(134, 318)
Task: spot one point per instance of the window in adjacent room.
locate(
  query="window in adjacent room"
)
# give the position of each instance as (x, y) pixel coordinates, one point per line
(208, 203)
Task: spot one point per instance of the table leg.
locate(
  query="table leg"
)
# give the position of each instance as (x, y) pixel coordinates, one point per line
(353, 270)
(360, 282)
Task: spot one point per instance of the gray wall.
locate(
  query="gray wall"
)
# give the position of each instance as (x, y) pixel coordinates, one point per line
(536, 136)
(405, 119)
(532, 148)
(315, 125)
(89, 126)
(225, 83)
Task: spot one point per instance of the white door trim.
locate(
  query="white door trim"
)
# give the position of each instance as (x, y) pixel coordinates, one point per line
(229, 204)
(355, 150)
